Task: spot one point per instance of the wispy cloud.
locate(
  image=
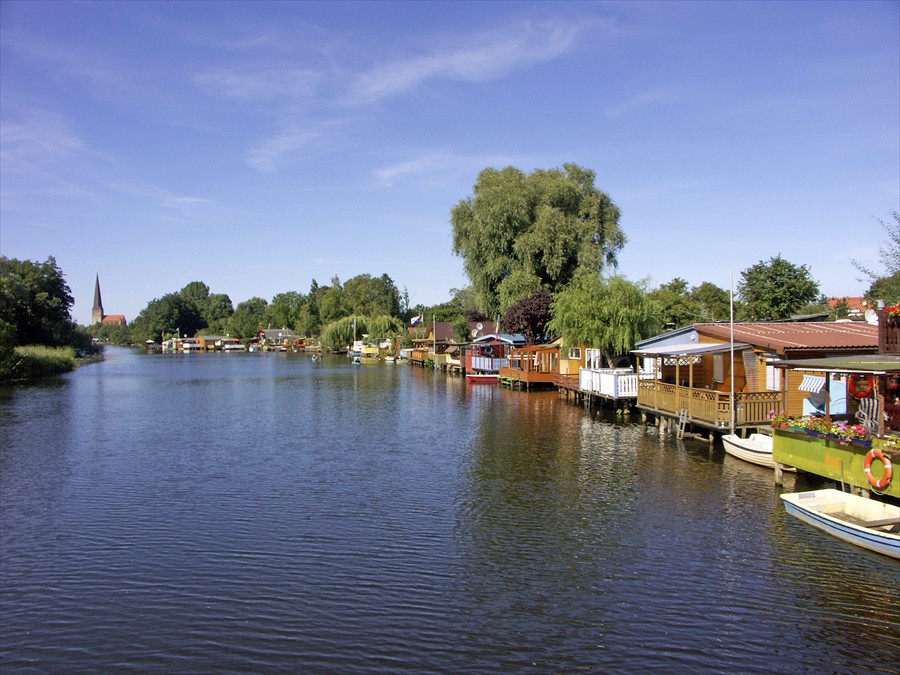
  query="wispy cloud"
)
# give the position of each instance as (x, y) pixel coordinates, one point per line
(428, 163)
(267, 154)
(257, 83)
(428, 166)
(33, 147)
(471, 58)
(36, 135)
(324, 94)
(646, 99)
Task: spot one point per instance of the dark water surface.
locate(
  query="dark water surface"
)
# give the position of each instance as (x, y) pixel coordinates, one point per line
(261, 512)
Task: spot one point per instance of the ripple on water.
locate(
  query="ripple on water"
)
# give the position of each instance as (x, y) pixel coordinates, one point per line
(263, 513)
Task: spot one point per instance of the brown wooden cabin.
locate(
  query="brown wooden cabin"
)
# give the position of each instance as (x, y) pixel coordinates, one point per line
(488, 353)
(532, 366)
(690, 378)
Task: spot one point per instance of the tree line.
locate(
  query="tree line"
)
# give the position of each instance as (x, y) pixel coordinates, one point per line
(540, 252)
(35, 309)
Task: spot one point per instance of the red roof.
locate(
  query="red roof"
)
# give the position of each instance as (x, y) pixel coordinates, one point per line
(858, 304)
(114, 319)
(813, 335)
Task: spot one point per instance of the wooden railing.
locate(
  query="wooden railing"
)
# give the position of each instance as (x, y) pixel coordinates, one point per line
(888, 333)
(708, 406)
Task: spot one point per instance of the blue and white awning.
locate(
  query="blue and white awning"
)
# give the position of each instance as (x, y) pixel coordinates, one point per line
(812, 383)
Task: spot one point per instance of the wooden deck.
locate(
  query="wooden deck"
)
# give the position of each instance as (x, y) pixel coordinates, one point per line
(525, 378)
(707, 408)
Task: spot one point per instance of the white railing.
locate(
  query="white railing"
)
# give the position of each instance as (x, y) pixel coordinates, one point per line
(488, 364)
(614, 383)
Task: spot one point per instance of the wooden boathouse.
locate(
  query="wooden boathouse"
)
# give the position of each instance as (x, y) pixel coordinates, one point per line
(687, 375)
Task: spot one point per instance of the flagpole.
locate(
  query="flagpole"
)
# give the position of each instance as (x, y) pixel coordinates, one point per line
(731, 306)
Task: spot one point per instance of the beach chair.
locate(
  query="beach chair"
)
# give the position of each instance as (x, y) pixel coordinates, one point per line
(868, 414)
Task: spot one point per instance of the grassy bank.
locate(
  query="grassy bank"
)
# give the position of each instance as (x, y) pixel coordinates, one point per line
(25, 363)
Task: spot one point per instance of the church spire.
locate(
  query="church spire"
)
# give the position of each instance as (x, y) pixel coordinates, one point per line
(97, 312)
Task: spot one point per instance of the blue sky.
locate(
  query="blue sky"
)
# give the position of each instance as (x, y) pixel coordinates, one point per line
(258, 146)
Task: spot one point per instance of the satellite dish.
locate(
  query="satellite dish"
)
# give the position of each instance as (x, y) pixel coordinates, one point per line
(474, 332)
(871, 317)
(478, 326)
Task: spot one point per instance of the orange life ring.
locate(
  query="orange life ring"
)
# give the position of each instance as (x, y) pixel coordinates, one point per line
(876, 453)
(865, 393)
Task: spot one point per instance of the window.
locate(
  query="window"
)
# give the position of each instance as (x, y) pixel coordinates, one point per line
(773, 378)
(718, 368)
(575, 353)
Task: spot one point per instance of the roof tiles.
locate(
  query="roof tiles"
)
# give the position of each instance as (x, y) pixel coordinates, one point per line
(779, 337)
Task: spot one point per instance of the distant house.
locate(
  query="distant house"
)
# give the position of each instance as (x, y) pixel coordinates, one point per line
(488, 353)
(113, 320)
(214, 343)
(433, 339)
(856, 307)
(276, 337)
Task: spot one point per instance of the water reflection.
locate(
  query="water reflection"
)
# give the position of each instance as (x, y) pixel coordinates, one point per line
(263, 512)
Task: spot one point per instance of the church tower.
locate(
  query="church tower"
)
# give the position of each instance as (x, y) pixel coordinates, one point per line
(97, 312)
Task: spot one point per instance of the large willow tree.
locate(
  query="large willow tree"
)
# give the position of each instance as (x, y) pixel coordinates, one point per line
(520, 233)
(610, 314)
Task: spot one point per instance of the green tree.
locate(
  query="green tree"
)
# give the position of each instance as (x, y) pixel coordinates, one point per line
(286, 308)
(775, 290)
(885, 288)
(530, 316)
(196, 292)
(712, 302)
(461, 328)
(339, 334)
(674, 303)
(214, 308)
(383, 327)
(248, 318)
(329, 302)
(884, 285)
(520, 233)
(35, 303)
(609, 314)
(170, 314)
(217, 311)
(310, 321)
(365, 295)
(888, 252)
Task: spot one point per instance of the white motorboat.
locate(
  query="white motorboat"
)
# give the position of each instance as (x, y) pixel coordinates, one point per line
(756, 449)
(865, 522)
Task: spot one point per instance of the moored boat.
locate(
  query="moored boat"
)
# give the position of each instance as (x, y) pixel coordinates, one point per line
(756, 449)
(482, 378)
(864, 522)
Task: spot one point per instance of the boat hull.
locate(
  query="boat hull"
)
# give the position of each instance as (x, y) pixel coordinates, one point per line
(829, 510)
(757, 449)
(482, 378)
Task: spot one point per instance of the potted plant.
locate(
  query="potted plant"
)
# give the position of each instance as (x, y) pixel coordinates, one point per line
(780, 420)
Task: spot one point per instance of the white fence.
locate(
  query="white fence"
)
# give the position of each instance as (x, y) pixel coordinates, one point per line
(488, 364)
(614, 383)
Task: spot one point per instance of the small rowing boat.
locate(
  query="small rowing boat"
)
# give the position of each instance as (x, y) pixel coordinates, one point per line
(865, 522)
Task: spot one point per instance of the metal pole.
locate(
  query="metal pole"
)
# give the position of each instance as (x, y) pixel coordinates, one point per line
(731, 304)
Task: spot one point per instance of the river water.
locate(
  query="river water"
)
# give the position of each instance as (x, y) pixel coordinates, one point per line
(262, 512)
